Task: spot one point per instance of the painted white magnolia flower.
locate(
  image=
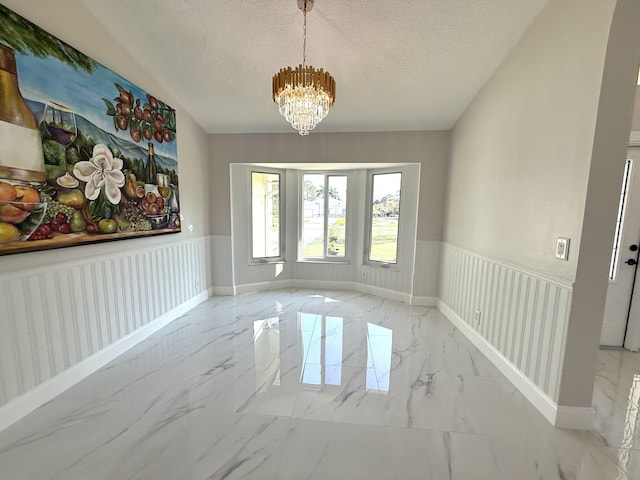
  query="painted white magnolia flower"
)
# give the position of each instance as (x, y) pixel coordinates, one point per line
(102, 170)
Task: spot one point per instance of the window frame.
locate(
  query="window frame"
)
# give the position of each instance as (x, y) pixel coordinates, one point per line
(345, 259)
(368, 221)
(281, 210)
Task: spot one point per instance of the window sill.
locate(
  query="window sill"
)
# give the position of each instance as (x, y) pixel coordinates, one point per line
(325, 262)
(253, 263)
(383, 266)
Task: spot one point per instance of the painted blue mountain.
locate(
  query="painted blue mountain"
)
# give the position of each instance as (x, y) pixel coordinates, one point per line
(128, 148)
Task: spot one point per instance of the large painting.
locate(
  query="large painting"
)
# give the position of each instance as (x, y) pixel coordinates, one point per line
(85, 155)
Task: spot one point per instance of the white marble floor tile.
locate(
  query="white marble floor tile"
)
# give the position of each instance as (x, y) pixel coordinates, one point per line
(617, 424)
(333, 451)
(526, 444)
(355, 399)
(294, 384)
(304, 448)
(627, 460)
(429, 400)
(196, 445)
(437, 455)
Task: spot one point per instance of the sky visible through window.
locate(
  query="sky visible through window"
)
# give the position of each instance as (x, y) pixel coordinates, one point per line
(386, 184)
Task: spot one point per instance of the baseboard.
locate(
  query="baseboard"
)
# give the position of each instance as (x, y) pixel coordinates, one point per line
(382, 292)
(560, 416)
(323, 284)
(262, 286)
(220, 291)
(424, 301)
(17, 408)
(578, 418)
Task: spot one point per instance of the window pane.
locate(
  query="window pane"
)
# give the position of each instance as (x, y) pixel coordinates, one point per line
(313, 215)
(265, 214)
(337, 212)
(385, 213)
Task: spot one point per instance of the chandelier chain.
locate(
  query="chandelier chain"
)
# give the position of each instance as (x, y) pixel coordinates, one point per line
(304, 37)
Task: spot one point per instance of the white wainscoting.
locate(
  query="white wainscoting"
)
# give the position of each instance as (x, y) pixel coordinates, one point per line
(53, 318)
(387, 278)
(384, 282)
(523, 320)
(324, 285)
(327, 272)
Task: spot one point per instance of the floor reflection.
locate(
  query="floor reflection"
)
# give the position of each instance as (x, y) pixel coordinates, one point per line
(322, 338)
(380, 340)
(324, 346)
(266, 350)
(630, 423)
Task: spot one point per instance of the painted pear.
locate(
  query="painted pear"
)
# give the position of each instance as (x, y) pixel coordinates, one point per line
(77, 222)
(74, 198)
(130, 187)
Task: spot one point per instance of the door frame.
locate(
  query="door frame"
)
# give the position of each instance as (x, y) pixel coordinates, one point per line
(632, 334)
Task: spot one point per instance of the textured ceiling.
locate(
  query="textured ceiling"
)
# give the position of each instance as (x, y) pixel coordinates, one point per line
(398, 64)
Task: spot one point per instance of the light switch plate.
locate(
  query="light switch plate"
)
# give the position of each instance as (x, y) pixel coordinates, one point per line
(562, 248)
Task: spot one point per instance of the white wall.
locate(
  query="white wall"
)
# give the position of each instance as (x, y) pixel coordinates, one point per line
(62, 306)
(524, 158)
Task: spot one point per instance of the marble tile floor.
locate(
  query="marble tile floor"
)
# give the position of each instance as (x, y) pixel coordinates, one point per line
(300, 384)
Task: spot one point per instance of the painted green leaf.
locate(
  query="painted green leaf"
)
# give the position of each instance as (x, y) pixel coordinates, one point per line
(23, 36)
(111, 109)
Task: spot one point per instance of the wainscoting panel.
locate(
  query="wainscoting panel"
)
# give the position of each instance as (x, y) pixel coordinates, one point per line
(330, 272)
(522, 314)
(53, 318)
(387, 278)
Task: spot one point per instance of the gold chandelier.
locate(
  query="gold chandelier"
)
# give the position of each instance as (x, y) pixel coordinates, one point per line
(304, 94)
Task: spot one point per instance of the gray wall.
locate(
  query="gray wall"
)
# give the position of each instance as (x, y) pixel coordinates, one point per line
(635, 124)
(610, 144)
(538, 155)
(520, 153)
(426, 148)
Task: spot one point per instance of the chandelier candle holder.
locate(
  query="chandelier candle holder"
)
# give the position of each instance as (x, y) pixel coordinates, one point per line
(304, 95)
